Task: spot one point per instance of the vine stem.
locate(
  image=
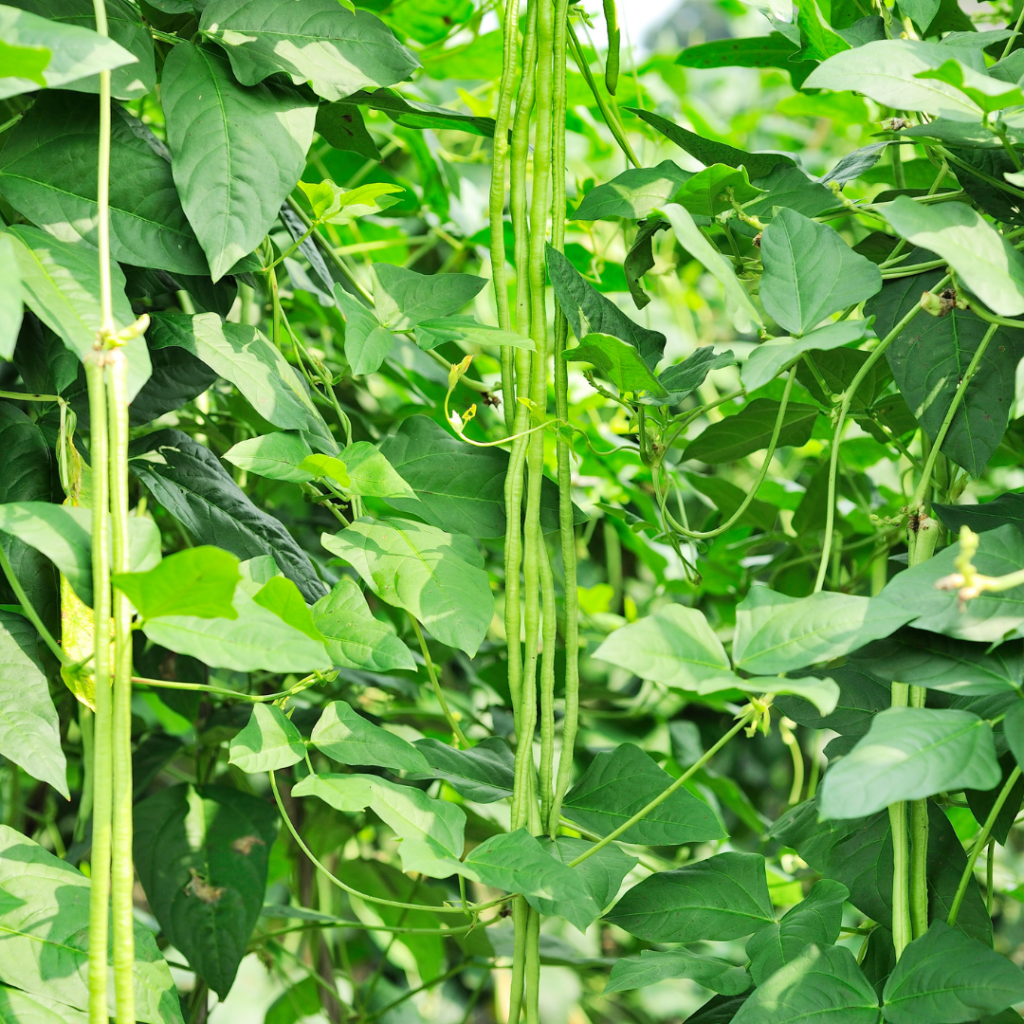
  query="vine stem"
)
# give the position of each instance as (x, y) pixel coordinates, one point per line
(432, 673)
(744, 720)
(980, 843)
(30, 613)
(848, 395)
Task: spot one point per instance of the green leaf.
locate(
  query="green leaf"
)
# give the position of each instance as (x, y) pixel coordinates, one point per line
(815, 920)
(707, 193)
(241, 354)
(48, 173)
(10, 298)
(820, 42)
(931, 355)
(772, 356)
(640, 259)
(721, 898)
(372, 475)
(29, 728)
(990, 617)
(708, 152)
(405, 298)
(737, 301)
(59, 532)
(431, 333)
(412, 113)
(654, 966)
(941, 663)
(280, 596)
(621, 782)
(355, 639)
(618, 362)
(601, 873)
(342, 125)
(367, 343)
(432, 831)
(1008, 508)
(909, 754)
(988, 93)
(268, 742)
(202, 860)
(18, 1008)
(983, 259)
(777, 633)
(60, 284)
(810, 272)
(325, 467)
(27, 62)
(237, 152)
(789, 187)
(197, 581)
(682, 379)
(483, 774)
(674, 646)
(177, 378)
(45, 920)
(74, 52)
(751, 430)
(189, 481)
(885, 70)
(335, 205)
(590, 312)
(337, 51)
(944, 975)
(1013, 729)
(819, 986)
(633, 194)
(348, 738)
(435, 576)
(275, 456)
(256, 638)
(128, 81)
(771, 51)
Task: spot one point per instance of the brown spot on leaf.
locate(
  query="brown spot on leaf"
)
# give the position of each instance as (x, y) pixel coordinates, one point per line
(244, 844)
(198, 886)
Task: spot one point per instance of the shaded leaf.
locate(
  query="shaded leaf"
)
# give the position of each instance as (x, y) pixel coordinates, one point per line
(348, 738)
(750, 430)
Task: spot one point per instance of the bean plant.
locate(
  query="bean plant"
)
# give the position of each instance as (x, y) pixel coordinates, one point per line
(491, 533)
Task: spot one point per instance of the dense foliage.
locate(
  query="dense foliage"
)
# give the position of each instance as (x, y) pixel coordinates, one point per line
(497, 525)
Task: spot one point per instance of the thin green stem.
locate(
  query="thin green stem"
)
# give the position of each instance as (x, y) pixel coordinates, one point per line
(30, 612)
(980, 843)
(223, 691)
(668, 791)
(438, 692)
(1013, 35)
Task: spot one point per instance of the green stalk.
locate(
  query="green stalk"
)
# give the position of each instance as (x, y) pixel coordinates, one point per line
(520, 922)
(980, 843)
(122, 868)
(30, 612)
(902, 926)
(918, 846)
(102, 768)
(438, 692)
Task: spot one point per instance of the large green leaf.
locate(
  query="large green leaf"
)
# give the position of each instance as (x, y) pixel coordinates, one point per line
(941, 663)
(633, 194)
(810, 272)
(10, 299)
(348, 738)
(772, 356)
(435, 576)
(984, 261)
(48, 173)
(821, 985)
(909, 754)
(256, 638)
(189, 481)
(655, 965)
(268, 742)
(73, 52)
(674, 646)
(241, 354)
(618, 362)
(355, 638)
(276, 456)
(713, 190)
(816, 919)
(777, 633)
(929, 359)
(177, 378)
(432, 831)
(590, 312)
(682, 379)
(197, 581)
(367, 343)
(621, 782)
(886, 71)
(750, 430)
(709, 152)
(45, 922)
(237, 152)
(992, 616)
(202, 860)
(405, 298)
(742, 311)
(60, 283)
(721, 898)
(483, 774)
(944, 975)
(337, 51)
(29, 729)
(989, 515)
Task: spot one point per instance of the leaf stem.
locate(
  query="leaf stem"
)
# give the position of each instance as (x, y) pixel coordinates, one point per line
(438, 692)
(30, 612)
